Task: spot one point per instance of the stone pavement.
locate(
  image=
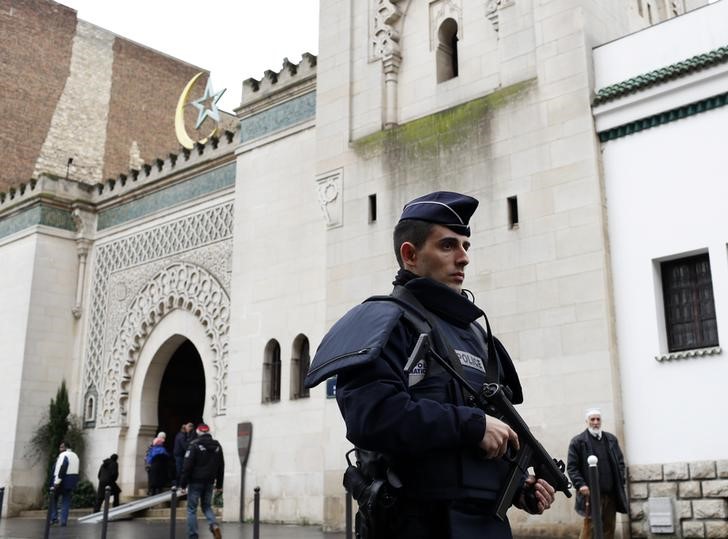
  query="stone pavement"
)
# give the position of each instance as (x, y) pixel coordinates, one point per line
(32, 528)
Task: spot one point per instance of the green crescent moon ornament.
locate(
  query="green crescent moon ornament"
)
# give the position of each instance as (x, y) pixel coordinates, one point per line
(179, 116)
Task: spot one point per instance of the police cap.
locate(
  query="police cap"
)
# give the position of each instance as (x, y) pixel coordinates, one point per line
(445, 208)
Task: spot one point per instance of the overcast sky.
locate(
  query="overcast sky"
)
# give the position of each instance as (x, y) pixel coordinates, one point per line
(234, 39)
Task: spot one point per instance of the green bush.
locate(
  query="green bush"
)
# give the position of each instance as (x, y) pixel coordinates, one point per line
(84, 495)
(57, 426)
(217, 500)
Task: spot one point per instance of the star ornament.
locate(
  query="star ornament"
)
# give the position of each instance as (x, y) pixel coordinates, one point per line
(207, 105)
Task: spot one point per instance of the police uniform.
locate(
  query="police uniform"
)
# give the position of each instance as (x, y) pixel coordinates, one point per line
(420, 418)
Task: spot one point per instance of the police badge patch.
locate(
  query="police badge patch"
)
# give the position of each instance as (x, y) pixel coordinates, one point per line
(469, 360)
(417, 373)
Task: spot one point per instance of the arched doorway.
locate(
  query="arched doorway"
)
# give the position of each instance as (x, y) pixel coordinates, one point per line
(181, 391)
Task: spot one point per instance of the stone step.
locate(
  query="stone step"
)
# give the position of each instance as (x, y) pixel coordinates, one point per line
(42, 513)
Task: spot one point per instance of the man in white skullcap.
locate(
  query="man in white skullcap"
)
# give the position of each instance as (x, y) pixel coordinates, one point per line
(613, 497)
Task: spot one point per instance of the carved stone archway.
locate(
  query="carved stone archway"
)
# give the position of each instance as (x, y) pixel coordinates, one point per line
(179, 286)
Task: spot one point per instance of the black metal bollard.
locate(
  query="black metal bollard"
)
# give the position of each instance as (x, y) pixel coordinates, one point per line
(173, 513)
(349, 532)
(595, 498)
(105, 518)
(256, 513)
(51, 499)
(2, 495)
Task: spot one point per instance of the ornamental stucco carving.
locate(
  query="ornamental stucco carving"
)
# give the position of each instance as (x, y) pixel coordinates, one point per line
(181, 285)
(491, 10)
(386, 28)
(330, 197)
(123, 265)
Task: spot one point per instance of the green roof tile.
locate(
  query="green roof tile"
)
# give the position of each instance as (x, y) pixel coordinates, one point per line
(658, 76)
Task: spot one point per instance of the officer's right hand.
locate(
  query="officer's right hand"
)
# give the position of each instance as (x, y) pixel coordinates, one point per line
(497, 437)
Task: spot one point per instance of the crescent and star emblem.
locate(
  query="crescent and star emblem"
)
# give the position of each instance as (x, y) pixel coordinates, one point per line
(206, 107)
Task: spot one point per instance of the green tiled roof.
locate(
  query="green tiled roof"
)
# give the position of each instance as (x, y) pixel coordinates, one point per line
(684, 111)
(664, 74)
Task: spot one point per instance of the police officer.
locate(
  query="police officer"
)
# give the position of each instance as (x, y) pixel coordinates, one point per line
(446, 454)
(202, 471)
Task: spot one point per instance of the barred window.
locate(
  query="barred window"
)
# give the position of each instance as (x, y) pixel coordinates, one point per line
(272, 372)
(687, 289)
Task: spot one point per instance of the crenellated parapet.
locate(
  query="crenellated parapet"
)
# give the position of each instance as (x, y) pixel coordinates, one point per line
(57, 202)
(275, 86)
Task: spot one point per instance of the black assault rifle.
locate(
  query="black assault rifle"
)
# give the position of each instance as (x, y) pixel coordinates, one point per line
(493, 400)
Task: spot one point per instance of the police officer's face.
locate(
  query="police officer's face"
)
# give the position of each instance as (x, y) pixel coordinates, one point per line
(443, 257)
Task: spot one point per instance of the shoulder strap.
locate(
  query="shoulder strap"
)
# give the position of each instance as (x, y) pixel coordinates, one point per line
(407, 297)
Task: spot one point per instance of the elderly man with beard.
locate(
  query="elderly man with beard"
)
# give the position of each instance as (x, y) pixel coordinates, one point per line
(604, 445)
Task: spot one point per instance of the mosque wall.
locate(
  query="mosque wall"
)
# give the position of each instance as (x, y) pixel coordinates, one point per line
(515, 122)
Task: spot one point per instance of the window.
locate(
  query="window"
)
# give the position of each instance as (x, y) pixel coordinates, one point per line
(447, 51)
(373, 208)
(687, 289)
(272, 372)
(513, 212)
(300, 362)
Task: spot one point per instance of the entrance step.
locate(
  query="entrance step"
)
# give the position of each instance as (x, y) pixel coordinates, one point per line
(42, 513)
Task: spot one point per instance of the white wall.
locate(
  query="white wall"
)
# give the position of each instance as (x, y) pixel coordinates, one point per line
(666, 194)
(38, 329)
(14, 309)
(277, 293)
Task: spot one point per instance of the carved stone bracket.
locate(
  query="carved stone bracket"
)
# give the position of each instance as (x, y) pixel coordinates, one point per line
(386, 28)
(329, 191)
(179, 286)
(491, 10)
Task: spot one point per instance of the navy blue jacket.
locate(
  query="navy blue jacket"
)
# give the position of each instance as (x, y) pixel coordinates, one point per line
(420, 420)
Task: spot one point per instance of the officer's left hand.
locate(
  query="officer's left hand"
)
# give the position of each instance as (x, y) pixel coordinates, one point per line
(543, 492)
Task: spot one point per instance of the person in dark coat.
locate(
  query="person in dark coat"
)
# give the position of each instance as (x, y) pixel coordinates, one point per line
(157, 462)
(443, 455)
(181, 441)
(108, 474)
(610, 465)
(202, 475)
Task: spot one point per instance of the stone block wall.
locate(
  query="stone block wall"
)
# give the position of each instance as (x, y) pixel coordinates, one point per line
(699, 493)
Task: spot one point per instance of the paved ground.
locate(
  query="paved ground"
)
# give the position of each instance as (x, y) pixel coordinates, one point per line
(31, 528)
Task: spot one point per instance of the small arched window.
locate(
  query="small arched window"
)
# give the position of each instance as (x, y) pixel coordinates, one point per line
(300, 361)
(272, 372)
(89, 409)
(447, 50)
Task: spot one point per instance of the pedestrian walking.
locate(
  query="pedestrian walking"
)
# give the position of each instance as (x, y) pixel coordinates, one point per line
(181, 441)
(63, 482)
(202, 472)
(610, 466)
(107, 476)
(157, 463)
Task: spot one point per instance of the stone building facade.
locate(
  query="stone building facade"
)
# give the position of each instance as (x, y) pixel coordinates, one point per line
(72, 90)
(199, 284)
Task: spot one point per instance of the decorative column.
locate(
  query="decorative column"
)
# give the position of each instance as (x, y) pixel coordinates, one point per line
(391, 65)
(386, 30)
(82, 246)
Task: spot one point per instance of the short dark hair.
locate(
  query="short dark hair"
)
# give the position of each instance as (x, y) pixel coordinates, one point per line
(413, 231)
